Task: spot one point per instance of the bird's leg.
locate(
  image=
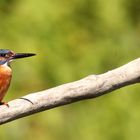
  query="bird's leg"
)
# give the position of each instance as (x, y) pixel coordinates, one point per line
(4, 103)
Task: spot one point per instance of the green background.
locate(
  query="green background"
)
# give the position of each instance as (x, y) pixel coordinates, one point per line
(72, 39)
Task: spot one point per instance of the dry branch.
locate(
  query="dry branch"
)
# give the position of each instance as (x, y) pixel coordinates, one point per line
(89, 87)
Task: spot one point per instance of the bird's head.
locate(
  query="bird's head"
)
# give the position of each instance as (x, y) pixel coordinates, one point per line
(6, 56)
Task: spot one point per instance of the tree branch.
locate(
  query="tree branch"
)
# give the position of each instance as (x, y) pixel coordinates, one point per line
(89, 87)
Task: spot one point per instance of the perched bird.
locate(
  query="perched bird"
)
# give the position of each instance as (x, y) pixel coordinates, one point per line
(6, 56)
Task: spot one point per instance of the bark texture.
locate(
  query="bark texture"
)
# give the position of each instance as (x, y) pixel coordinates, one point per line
(86, 88)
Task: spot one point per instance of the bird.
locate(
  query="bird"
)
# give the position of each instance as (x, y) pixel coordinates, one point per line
(6, 57)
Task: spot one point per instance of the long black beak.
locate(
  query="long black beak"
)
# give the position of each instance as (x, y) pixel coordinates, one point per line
(22, 55)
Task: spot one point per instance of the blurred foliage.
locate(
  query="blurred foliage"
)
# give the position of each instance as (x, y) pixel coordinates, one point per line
(72, 39)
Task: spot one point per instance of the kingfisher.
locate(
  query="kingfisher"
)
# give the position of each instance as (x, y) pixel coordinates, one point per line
(6, 57)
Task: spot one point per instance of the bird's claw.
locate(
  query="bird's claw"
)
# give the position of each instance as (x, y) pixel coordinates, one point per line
(4, 103)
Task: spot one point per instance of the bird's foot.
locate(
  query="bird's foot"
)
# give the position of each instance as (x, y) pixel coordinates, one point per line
(4, 103)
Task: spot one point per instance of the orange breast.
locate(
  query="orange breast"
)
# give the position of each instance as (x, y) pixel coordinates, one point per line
(5, 79)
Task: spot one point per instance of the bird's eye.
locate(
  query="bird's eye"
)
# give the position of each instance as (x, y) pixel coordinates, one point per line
(6, 55)
(10, 54)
